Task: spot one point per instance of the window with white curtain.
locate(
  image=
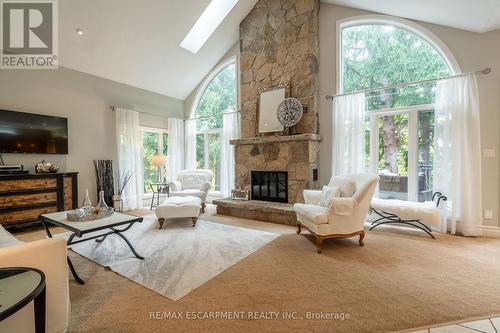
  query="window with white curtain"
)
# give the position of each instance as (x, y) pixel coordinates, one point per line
(400, 122)
(219, 96)
(154, 142)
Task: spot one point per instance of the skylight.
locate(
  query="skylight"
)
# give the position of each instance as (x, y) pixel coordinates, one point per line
(206, 24)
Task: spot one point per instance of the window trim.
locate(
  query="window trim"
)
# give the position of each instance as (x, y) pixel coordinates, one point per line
(408, 25)
(206, 82)
(158, 131)
(232, 60)
(412, 111)
(206, 151)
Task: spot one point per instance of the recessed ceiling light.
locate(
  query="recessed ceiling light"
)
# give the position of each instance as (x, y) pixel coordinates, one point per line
(79, 32)
(206, 24)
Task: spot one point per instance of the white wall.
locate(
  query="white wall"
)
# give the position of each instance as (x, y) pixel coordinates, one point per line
(85, 100)
(472, 51)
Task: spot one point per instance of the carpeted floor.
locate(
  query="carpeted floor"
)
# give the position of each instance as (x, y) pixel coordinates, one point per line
(396, 281)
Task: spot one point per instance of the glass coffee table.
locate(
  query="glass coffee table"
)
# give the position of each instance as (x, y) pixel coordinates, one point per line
(115, 224)
(18, 287)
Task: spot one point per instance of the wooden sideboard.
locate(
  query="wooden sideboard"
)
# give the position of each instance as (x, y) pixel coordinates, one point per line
(24, 197)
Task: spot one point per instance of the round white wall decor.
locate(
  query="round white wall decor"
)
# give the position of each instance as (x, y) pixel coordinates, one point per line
(290, 112)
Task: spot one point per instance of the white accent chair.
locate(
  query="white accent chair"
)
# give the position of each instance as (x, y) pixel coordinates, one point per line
(192, 182)
(49, 256)
(345, 217)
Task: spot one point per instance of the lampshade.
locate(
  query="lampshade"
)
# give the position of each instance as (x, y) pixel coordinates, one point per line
(159, 160)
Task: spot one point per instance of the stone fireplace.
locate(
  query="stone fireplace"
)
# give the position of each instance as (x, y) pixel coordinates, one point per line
(297, 155)
(279, 45)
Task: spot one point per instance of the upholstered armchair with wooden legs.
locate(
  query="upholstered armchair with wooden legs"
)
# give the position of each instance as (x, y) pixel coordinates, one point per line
(346, 215)
(194, 183)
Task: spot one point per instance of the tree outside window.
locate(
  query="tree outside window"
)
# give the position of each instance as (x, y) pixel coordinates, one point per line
(378, 55)
(218, 97)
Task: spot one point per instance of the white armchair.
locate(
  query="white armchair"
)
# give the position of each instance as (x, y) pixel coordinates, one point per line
(192, 182)
(346, 215)
(49, 256)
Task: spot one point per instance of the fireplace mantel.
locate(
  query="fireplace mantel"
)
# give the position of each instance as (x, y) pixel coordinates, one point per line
(277, 138)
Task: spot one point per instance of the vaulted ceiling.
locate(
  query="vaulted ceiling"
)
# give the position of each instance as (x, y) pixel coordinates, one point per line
(137, 42)
(472, 15)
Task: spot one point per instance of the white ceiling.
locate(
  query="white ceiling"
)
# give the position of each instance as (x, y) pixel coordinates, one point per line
(137, 42)
(472, 15)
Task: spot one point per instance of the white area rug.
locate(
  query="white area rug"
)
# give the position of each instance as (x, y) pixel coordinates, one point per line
(179, 258)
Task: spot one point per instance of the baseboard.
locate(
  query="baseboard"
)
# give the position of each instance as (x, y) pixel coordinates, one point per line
(489, 231)
(486, 231)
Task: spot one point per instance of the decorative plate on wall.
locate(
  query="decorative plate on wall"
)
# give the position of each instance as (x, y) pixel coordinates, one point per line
(290, 112)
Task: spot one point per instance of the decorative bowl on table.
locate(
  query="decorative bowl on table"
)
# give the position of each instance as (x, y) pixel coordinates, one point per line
(86, 214)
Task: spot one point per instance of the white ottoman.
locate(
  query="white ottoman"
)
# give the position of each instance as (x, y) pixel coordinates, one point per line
(178, 207)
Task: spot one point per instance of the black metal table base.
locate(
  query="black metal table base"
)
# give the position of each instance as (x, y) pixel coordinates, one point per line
(390, 218)
(99, 239)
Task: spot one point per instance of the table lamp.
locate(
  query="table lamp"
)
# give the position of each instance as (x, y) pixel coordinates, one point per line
(159, 161)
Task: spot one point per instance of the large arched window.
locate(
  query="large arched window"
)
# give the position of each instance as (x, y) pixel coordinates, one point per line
(377, 52)
(219, 96)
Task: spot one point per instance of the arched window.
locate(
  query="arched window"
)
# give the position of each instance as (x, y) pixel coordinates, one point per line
(219, 96)
(380, 51)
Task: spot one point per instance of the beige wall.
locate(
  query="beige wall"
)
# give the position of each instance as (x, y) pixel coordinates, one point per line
(472, 52)
(85, 100)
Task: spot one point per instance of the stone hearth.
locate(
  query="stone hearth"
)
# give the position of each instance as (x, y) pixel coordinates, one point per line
(257, 210)
(296, 154)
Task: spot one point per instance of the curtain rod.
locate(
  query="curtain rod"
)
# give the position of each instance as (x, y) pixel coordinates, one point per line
(112, 108)
(205, 117)
(398, 85)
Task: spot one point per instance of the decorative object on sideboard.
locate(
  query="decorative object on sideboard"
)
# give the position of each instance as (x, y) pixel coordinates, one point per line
(13, 169)
(120, 187)
(88, 214)
(104, 179)
(290, 112)
(239, 194)
(86, 200)
(46, 167)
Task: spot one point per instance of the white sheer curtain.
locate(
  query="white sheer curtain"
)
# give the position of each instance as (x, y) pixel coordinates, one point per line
(348, 134)
(230, 131)
(129, 156)
(175, 146)
(457, 153)
(190, 144)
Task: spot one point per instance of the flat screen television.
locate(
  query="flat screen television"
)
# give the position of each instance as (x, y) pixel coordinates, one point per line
(28, 133)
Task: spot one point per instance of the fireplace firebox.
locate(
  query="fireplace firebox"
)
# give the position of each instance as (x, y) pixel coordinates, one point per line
(270, 186)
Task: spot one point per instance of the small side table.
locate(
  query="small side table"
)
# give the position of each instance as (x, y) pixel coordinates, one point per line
(158, 189)
(18, 287)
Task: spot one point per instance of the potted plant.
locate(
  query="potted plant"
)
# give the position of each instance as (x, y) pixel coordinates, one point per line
(121, 184)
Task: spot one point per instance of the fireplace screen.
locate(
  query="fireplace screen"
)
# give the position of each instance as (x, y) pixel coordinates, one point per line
(270, 186)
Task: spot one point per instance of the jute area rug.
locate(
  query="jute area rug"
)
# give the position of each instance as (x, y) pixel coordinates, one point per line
(397, 281)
